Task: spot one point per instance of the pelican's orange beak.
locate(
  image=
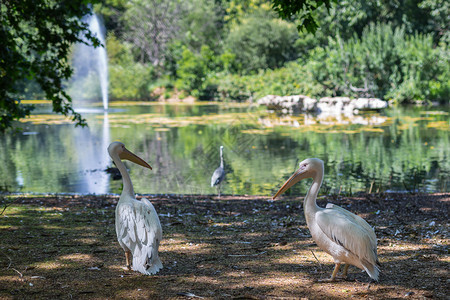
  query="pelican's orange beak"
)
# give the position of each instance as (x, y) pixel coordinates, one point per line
(296, 177)
(128, 155)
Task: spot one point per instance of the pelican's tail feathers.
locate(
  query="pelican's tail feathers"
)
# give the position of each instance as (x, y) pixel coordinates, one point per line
(155, 267)
(372, 269)
(146, 261)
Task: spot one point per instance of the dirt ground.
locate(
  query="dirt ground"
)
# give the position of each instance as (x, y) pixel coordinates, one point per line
(235, 247)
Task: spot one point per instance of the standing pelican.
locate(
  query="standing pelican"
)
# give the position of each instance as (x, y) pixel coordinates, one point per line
(137, 224)
(340, 233)
(219, 174)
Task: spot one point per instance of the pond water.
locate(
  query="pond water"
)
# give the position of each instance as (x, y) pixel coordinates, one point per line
(395, 150)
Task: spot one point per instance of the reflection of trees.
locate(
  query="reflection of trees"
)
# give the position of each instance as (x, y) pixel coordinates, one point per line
(8, 167)
(407, 155)
(37, 159)
(185, 157)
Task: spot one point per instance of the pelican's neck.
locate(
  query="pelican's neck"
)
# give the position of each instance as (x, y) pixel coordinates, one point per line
(127, 185)
(309, 205)
(221, 158)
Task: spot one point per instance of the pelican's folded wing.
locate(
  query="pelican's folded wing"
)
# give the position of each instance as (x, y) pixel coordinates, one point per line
(149, 234)
(340, 226)
(125, 227)
(140, 231)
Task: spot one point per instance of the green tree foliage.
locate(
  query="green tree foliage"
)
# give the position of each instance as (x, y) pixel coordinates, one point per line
(292, 79)
(203, 25)
(112, 12)
(350, 17)
(347, 18)
(438, 11)
(384, 62)
(193, 70)
(261, 42)
(303, 9)
(35, 41)
(127, 79)
(150, 26)
(346, 57)
(238, 10)
(236, 49)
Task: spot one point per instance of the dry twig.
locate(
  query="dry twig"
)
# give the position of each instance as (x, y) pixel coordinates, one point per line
(320, 265)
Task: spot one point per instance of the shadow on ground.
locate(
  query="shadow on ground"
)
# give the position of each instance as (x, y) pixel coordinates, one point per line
(235, 247)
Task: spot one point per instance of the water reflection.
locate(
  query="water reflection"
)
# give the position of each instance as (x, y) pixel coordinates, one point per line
(403, 150)
(93, 158)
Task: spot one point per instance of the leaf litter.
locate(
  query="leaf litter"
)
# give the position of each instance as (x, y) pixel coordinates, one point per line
(235, 247)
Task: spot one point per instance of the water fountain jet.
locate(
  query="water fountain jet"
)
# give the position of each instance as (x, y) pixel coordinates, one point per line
(91, 66)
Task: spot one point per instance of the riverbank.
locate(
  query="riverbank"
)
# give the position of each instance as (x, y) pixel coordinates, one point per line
(235, 247)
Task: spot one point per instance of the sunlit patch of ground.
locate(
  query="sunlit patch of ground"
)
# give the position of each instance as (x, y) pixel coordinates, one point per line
(50, 265)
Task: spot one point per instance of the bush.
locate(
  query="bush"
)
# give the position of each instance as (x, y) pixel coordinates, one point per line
(261, 43)
(424, 69)
(127, 79)
(384, 63)
(194, 72)
(292, 79)
(191, 72)
(130, 82)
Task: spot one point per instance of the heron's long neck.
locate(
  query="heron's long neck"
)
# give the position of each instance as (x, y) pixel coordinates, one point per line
(221, 158)
(127, 185)
(309, 205)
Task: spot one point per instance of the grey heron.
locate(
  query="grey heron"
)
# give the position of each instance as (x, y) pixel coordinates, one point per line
(219, 174)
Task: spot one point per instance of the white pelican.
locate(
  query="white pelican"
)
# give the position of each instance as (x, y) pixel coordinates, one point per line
(219, 174)
(345, 236)
(137, 224)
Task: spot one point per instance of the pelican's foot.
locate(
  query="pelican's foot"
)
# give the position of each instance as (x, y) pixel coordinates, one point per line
(327, 280)
(126, 268)
(333, 276)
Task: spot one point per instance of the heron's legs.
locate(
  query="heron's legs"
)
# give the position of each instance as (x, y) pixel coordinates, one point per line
(128, 259)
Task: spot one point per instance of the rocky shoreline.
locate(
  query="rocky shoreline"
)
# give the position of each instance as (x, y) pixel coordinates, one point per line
(339, 105)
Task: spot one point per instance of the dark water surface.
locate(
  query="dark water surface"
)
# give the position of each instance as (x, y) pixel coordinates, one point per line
(404, 149)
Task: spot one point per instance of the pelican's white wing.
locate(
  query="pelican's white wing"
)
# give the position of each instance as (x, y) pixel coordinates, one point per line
(139, 230)
(357, 219)
(351, 232)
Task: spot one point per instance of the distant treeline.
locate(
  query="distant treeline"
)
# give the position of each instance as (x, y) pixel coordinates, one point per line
(241, 50)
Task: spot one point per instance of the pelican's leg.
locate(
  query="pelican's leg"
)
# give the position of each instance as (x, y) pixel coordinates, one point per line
(128, 259)
(344, 274)
(336, 270)
(333, 276)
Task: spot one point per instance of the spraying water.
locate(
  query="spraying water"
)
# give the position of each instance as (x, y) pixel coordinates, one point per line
(90, 65)
(102, 62)
(90, 82)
